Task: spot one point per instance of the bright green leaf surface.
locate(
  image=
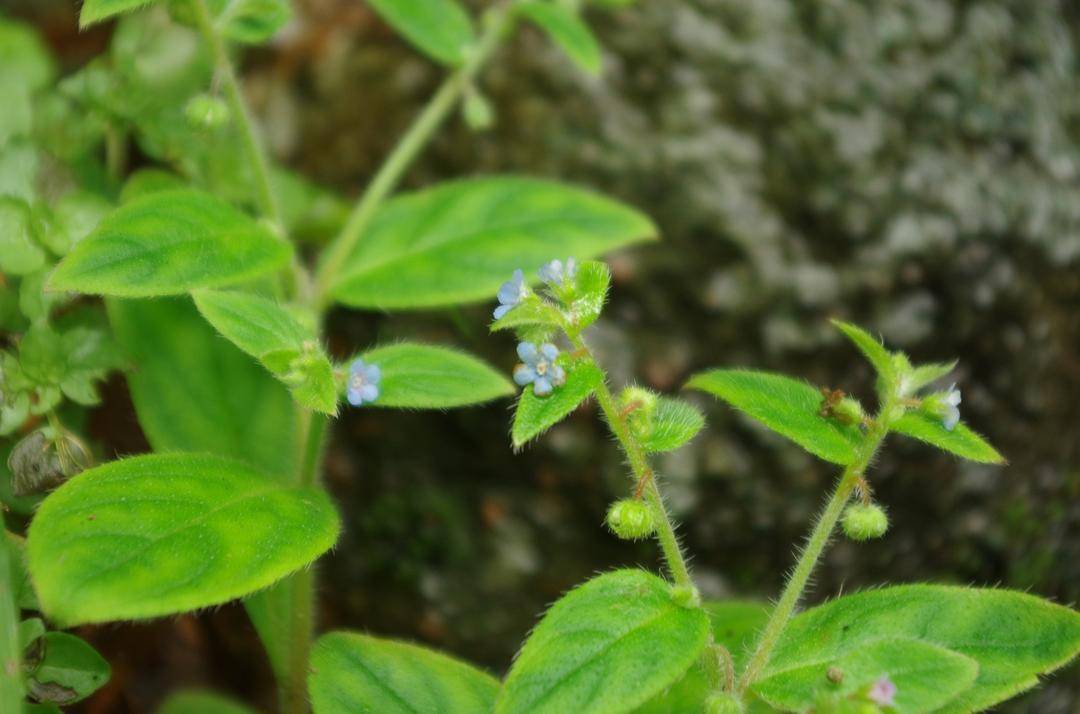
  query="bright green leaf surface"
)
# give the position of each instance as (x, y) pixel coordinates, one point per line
(24, 56)
(98, 10)
(458, 242)
(675, 422)
(147, 181)
(430, 377)
(607, 646)
(168, 243)
(535, 415)
(70, 670)
(19, 252)
(531, 313)
(1013, 636)
(926, 676)
(590, 292)
(961, 441)
(871, 348)
(194, 391)
(201, 702)
(11, 691)
(255, 324)
(441, 29)
(785, 405)
(358, 674)
(253, 21)
(567, 30)
(924, 374)
(160, 534)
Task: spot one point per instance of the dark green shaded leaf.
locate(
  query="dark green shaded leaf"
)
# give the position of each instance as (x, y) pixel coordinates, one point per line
(535, 415)
(961, 441)
(253, 21)
(98, 10)
(567, 30)
(20, 253)
(11, 690)
(785, 405)
(441, 29)
(201, 702)
(160, 534)
(70, 670)
(357, 673)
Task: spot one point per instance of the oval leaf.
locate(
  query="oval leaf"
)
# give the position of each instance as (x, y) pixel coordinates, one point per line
(430, 377)
(458, 242)
(441, 29)
(535, 415)
(606, 646)
(787, 406)
(1014, 637)
(961, 441)
(168, 243)
(566, 30)
(926, 676)
(160, 534)
(70, 670)
(356, 673)
(674, 422)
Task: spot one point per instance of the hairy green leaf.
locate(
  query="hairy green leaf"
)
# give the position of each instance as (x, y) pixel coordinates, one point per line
(253, 21)
(194, 391)
(441, 29)
(785, 405)
(924, 374)
(532, 313)
(160, 534)
(961, 441)
(147, 181)
(70, 670)
(1014, 637)
(926, 676)
(11, 690)
(357, 673)
(430, 377)
(674, 422)
(567, 30)
(168, 243)
(458, 242)
(197, 701)
(98, 10)
(871, 348)
(535, 415)
(607, 646)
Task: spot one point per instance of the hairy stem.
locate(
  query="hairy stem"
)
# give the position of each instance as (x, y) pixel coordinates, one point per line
(407, 149)
(815, 545)
(639, 464)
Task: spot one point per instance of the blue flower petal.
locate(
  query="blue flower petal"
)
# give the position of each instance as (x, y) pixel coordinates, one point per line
(950, 418)
(557, 375)
(369, 392)
(354, 397)
(523, 374)
(373, 374)
(549, 351)
(527, 352)
(541, 387)
(502, 310)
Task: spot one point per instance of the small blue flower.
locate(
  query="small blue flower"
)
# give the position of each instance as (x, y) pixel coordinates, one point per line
(950, 413)
(538, 368)
(510, 295)
(554, 273)
(363, 383)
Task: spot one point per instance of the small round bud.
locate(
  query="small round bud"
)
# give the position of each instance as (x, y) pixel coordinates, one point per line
(849, 411)
(835, 675)
(723, 703)
(685, 596)
(204, 111)
(631, 519)
(477, 111)
(639, 406)
(864, 522)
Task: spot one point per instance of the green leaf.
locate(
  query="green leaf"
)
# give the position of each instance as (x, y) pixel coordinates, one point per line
(441, 29)
(429, 377)
(458, 242)
(168, 243)
(98, 10)
(71, 219)
(272, 334)
(11, 690)
(357, 673)
(70, 670)
(535, 415)
(785, 405)
(166, 533)
(926, 676)
(871, 348)
(567, 30)
(197, 701)
(606, 646)
(19, 163)
(147, 181)
(589, 293)
(19, 252)
(25, 598)
(24, 56)
(194, 391)
(924, 374)
(253, 21)
(961, 441)
(531, 313)
(674, 422)
(1014, 637)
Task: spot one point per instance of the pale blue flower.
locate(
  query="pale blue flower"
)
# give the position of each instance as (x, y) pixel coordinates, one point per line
(554, 273)
(363, 383)
(883, 692)
(538, 368)
(950, 412)
(510, 295)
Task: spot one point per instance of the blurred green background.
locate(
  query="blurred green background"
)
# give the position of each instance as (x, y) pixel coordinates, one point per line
(912, 165)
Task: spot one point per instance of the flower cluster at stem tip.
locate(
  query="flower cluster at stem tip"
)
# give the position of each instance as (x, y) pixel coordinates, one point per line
(538, 368)
(363, 384)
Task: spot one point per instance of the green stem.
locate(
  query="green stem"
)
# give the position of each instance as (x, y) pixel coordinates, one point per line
(408, 147)
(239, 109)
(815, 545)
(643, 473)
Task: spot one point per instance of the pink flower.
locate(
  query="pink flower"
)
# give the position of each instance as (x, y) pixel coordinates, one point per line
(882, 692)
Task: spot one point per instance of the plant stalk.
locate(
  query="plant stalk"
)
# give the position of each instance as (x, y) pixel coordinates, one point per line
(407, 149)
(815, 545)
